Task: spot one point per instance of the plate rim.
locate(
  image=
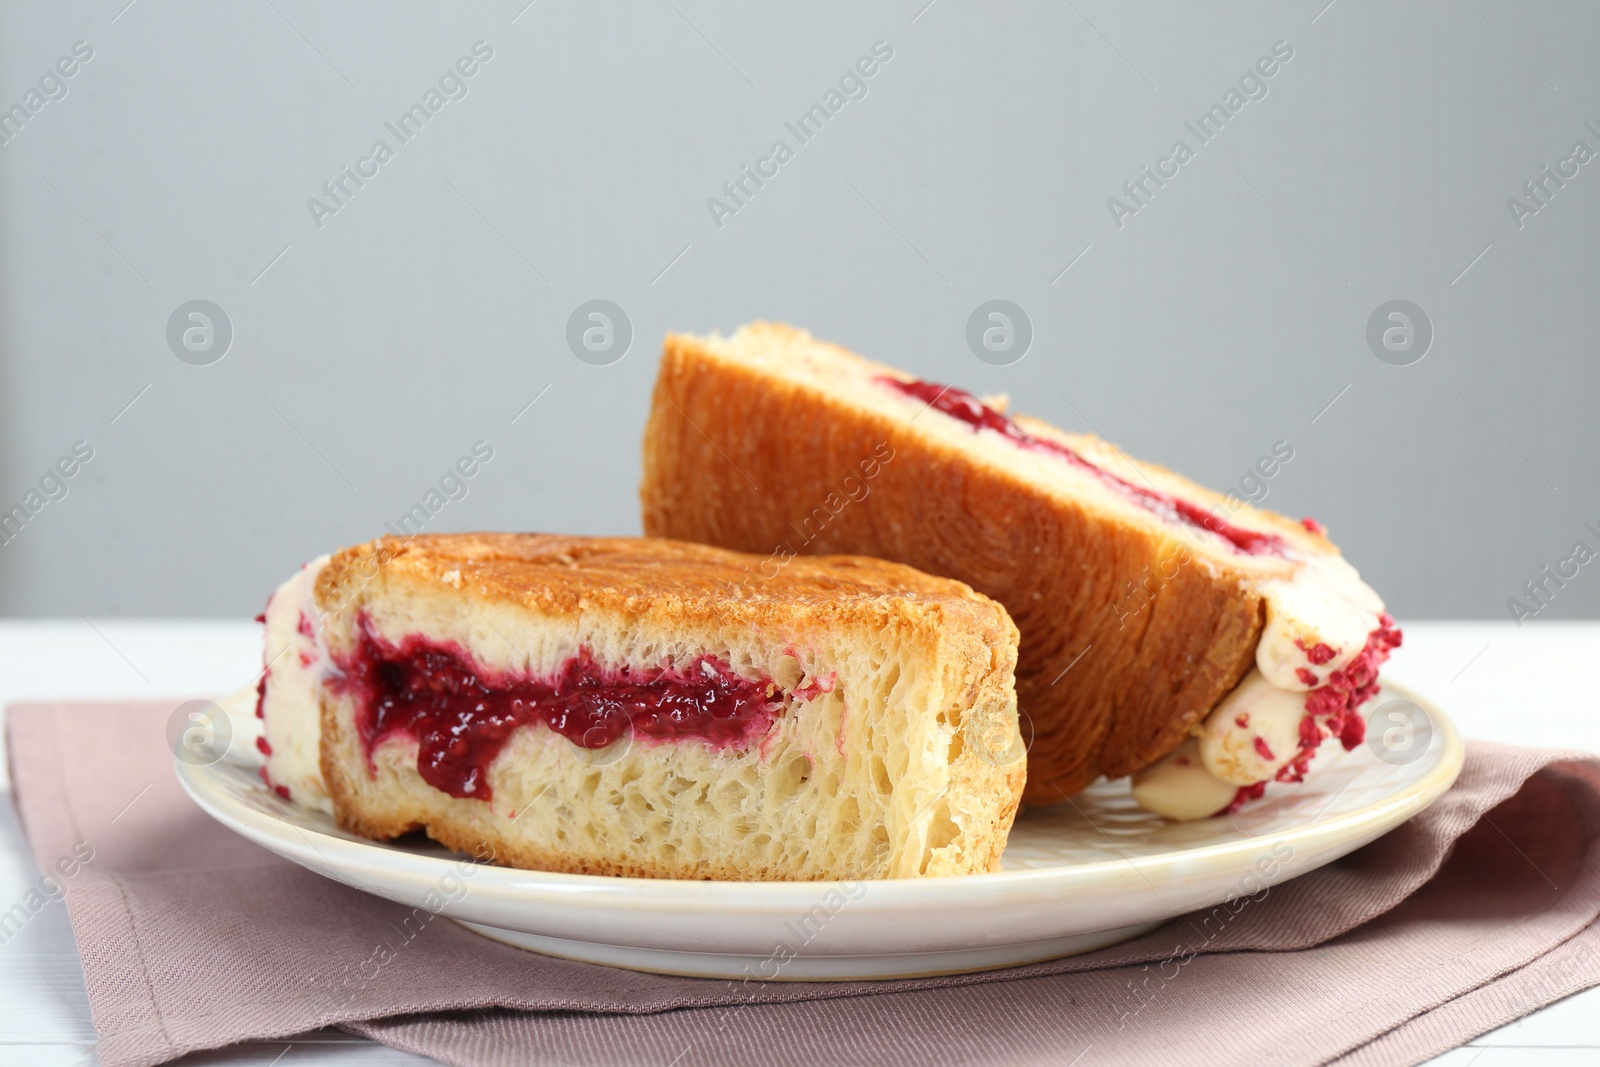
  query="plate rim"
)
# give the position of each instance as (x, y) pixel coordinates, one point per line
(380, 860)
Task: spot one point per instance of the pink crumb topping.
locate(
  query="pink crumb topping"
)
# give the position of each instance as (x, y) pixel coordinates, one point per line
(281, 790)
(1245, 795)
(1332, 709)
(1318, 653)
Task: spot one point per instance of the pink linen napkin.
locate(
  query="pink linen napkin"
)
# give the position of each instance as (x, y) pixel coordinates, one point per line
(1474, 913)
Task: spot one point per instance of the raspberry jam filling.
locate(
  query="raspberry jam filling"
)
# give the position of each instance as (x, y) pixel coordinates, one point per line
(1333, 709)
(972, 411)
(461, 714)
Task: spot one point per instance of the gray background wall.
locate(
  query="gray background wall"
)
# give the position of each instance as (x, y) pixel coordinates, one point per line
(372, 351)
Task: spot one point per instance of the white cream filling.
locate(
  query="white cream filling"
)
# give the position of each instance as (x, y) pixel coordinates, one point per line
(292, 706)
(1178, 786)
(1324, 602)
(1253, 732)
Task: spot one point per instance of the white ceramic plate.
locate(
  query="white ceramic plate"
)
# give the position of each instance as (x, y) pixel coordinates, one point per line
(1077, 876)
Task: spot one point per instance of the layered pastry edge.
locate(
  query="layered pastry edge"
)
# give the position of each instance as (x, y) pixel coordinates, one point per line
(1323, 633)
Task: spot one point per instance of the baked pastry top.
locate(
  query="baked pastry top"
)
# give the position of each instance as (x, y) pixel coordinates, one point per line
(663, 579)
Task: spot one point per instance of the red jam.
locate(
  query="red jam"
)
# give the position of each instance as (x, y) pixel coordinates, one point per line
(461, 714)
(1334, 708)
(972, 411)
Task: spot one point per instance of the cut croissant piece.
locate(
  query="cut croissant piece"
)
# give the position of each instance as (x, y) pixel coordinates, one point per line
(1145, 601)
(647, 708)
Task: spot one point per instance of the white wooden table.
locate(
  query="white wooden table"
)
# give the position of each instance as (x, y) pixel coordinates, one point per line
(1531, 686)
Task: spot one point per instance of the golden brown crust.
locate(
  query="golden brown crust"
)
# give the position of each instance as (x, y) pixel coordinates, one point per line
(1129, 635)
(559, 574)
